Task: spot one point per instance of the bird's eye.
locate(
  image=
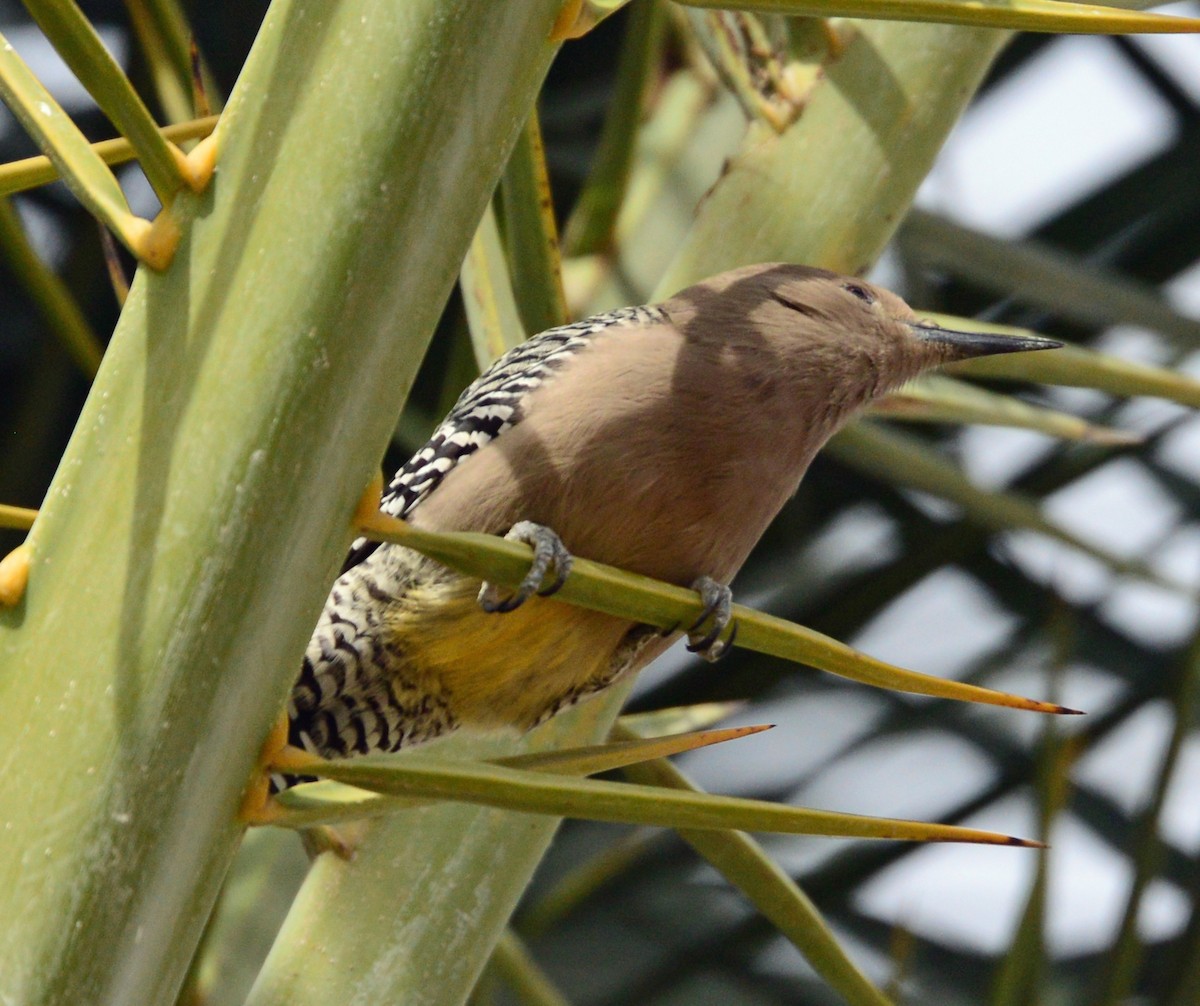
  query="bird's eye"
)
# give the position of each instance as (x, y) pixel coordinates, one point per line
(861, 292)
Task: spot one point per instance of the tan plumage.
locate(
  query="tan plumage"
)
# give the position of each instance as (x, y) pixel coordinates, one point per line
(661, 441)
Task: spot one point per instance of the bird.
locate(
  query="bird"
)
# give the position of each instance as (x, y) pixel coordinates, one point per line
(659, 439)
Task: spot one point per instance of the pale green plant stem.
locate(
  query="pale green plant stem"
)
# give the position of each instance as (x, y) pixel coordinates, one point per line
(51, 295)
(203, 505)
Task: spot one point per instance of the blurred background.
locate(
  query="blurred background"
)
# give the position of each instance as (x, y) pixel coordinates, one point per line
(1068, 201)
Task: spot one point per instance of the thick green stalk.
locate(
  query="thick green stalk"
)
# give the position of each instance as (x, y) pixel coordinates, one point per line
(831, 189)
(187, 542)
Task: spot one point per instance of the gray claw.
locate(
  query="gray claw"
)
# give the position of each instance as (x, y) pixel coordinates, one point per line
(548, 550)
(718, 607)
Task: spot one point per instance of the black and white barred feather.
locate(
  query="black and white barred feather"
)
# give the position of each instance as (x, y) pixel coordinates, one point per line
(345, 700)
(489, 406)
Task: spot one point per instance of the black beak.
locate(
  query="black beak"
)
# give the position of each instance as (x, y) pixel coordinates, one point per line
(964, 345)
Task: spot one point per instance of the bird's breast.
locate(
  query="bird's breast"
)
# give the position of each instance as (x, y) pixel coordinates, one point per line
(502, 669)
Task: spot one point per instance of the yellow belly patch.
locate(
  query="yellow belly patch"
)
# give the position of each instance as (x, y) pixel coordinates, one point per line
(501, 669)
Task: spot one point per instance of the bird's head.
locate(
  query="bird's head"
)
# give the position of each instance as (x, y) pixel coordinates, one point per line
(835, 339)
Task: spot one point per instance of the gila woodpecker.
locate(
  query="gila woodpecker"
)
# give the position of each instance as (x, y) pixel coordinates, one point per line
(660, 439)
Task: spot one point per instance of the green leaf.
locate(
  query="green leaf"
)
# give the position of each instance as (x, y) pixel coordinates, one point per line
(167, 40)
(531, 233)
(744, 863)
(874, 120)
(590, 229)
(1036, 274)
(328, 802)
(51, 295)
(678, 718)
(428, 777)
(619, 754)
(1077, 367)
(488, 295)
(1020, 15)
(641, 599)
(936, 399)
(515, 964)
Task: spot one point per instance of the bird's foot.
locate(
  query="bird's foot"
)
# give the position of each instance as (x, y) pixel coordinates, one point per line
(548, 550)
(718, 614)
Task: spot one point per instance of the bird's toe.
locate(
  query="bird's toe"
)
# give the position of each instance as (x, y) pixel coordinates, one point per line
(548, 551)
(717, 616)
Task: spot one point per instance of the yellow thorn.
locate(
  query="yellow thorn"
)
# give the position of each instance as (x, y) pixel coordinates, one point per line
(571, 22)
(196, 167)
(260, 808)
(257, 806)
(154, 243)
(181, 165)
(277, 755)
(367, 508)
(14, 575)
(202, 162)
(370, 521)
(367, 515)
(833, 40)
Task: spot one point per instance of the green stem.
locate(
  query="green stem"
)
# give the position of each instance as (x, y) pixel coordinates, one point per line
(80, 47)
(166, 38)
(531, 233)
(49, 293)
(260, 375)
(66, 147)
(592, 222)
(30, 172)
(520, 971)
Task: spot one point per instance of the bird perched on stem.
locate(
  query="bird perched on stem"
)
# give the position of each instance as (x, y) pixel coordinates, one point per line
(660, 439)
